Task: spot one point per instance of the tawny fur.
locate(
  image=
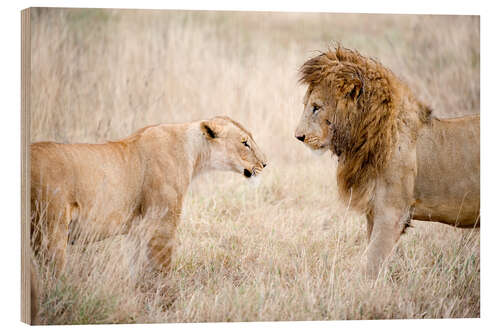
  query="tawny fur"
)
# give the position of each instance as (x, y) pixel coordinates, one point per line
(396, 161)
(103, 189)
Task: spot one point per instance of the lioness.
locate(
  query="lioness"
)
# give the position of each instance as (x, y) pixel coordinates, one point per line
(102, 188)
(396, 160)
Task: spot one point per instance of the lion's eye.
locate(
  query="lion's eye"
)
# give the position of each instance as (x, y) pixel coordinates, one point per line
(315, 109)
(245, 143)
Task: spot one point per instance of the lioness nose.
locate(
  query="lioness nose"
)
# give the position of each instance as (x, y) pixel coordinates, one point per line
(301, 138)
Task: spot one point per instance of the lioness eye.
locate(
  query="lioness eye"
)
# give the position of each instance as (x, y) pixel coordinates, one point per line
(315, 109)
(245, 143)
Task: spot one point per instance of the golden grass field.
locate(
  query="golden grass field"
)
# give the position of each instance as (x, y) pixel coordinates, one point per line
(283, 250)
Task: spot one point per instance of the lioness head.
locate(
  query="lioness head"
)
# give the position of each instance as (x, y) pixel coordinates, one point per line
(232, 147)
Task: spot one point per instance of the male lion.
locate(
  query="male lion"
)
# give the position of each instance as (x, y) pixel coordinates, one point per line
(101, 189)
(396, 160)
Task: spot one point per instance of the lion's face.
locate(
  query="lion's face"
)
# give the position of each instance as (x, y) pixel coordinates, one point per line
(314, 126)
(232, 147)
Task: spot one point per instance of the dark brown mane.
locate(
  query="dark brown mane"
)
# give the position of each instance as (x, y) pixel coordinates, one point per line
(367, 117)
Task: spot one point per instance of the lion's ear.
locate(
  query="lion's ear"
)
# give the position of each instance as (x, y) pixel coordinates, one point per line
(208, 130)
(349, 83)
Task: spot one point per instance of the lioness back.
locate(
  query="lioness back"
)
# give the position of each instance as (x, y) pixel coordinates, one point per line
(96, 182)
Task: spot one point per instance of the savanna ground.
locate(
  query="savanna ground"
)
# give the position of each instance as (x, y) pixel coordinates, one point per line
(283, 250)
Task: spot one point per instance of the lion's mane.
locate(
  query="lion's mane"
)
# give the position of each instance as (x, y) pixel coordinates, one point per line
(372, 109)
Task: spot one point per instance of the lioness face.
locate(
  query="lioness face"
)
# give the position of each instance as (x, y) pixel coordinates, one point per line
(314, 126)
(232, 147)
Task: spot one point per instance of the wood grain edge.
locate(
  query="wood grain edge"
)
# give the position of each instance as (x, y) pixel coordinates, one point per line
(25, 169)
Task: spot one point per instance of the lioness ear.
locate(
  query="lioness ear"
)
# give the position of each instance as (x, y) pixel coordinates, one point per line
(208, 130)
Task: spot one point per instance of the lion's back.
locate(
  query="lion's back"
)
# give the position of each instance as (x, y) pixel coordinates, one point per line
(448, 177)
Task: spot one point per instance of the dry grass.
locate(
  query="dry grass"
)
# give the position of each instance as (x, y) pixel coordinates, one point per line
(285, 250)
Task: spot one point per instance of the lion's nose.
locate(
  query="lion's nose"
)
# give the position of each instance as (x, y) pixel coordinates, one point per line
(301, 138)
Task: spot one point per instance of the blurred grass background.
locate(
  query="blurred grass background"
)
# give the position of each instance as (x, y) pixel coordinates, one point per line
(286, 250)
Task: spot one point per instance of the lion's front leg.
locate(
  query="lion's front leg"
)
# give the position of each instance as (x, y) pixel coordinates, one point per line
(390, 211)
(387, 228)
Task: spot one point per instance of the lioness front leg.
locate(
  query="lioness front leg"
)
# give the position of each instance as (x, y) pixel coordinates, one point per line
(387, 228)
(161, 244)
(162, 209)
(160, 248)
(162, 229)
